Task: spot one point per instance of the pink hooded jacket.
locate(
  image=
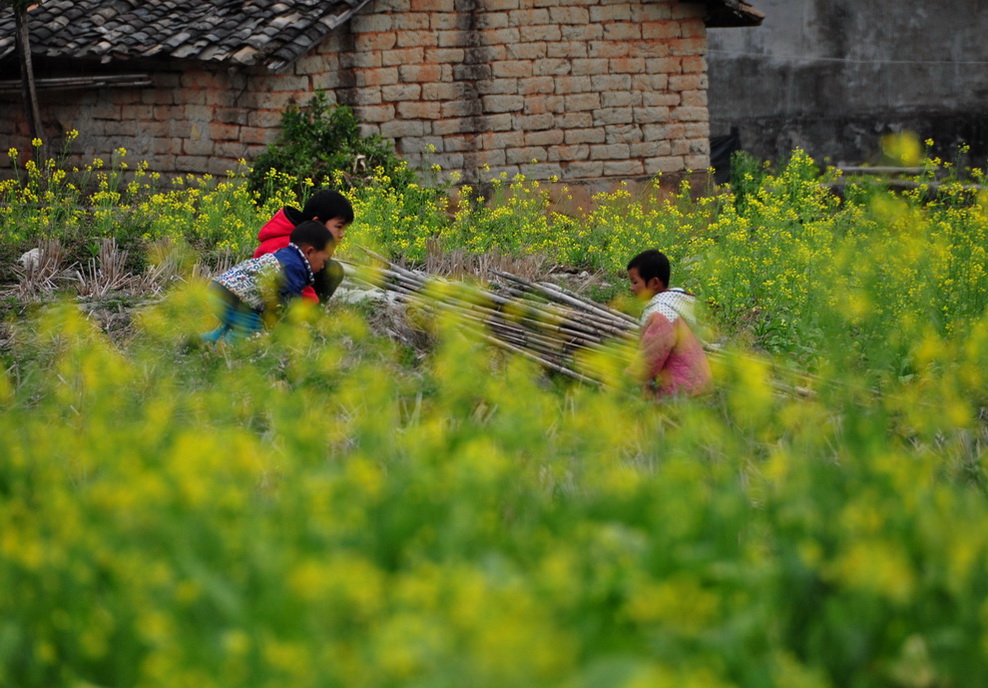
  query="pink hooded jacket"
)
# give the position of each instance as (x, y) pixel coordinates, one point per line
(674, 357)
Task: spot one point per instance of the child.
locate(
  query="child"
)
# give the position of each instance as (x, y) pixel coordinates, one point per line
(330, 208)
(673, 358)
(247, 289)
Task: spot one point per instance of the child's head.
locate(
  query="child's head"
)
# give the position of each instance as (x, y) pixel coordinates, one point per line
(332, 209)
(648, 273)
(315, 241)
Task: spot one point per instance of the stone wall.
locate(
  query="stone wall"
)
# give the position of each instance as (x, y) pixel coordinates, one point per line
(833, 76)
(579, 90)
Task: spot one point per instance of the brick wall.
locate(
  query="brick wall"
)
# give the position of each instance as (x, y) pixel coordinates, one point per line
(582, 90)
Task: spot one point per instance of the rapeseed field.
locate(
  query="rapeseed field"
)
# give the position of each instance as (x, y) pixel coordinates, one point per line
(314, 508)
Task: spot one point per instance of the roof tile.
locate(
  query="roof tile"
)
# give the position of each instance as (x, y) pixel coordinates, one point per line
(241, 31)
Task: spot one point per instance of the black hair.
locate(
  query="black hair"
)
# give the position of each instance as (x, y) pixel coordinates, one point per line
(651, 263)
(328, 205)
(311, 233)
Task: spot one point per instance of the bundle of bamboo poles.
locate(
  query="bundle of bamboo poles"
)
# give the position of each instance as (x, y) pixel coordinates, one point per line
(541, 321)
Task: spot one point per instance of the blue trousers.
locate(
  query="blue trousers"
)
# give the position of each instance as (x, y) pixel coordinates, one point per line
(237, 319)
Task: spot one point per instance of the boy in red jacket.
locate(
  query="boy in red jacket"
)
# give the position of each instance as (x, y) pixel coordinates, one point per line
(329, 208)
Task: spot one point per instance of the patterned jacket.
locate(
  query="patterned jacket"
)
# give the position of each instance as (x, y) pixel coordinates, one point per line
(285, 272)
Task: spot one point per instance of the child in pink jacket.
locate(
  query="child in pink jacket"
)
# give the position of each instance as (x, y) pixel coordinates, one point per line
(674, 362)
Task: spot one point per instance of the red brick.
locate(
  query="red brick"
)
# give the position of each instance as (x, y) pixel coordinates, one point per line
(609, 49)
(622, 31)
(545, 104)
(528, 17)
(419, 110)
(440, 55)
(420, 73)
(402, 92)
(685, 82)
(504, 86)
(565, 49)
(501, 140)
(695, 99)
(590, 32)
(375, 113)
(495, 104)
(512, 68)
(612, 12)
(566, 85)
(234, 149)
(691, 114)
(412, 39)
(592, 135)
(412, 21)
(450, 93)
(570, 15)
(375, 77)
(526, 154)
(431, 5)
(547, 137)
(693, 29)
(257, 134)
(627, 65)
(462, 108)
(564, 153)
(664, 65)
(500, 37)
(383, 40)
(158, 96)
(694, 65)
(548, 32)
(584, 170)
(403, 56)
(199, 79)
(224, 132)
(536, 122)
(526, 51)
(697, 162)
(457, 125)
(688, 46)
(624, 168)
(536, 84)
(574, 120)
(662, 29)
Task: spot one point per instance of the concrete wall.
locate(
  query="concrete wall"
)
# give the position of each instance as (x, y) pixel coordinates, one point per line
(832, 76)
(577, 90)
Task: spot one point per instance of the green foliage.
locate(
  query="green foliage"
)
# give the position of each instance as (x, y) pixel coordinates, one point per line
(790, 270)
(310, 507)
(301, 510)
(746, 175)
(323, 144)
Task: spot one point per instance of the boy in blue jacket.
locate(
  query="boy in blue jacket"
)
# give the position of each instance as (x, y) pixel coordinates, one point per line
(249, 288)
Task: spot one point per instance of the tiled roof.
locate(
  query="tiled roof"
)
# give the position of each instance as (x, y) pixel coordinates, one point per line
(272, 33)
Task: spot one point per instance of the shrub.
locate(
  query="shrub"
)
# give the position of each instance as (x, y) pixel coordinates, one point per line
(323, 144)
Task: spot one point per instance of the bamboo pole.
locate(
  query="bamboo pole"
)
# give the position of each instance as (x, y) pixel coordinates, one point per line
(565, 298)
(29, 93)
